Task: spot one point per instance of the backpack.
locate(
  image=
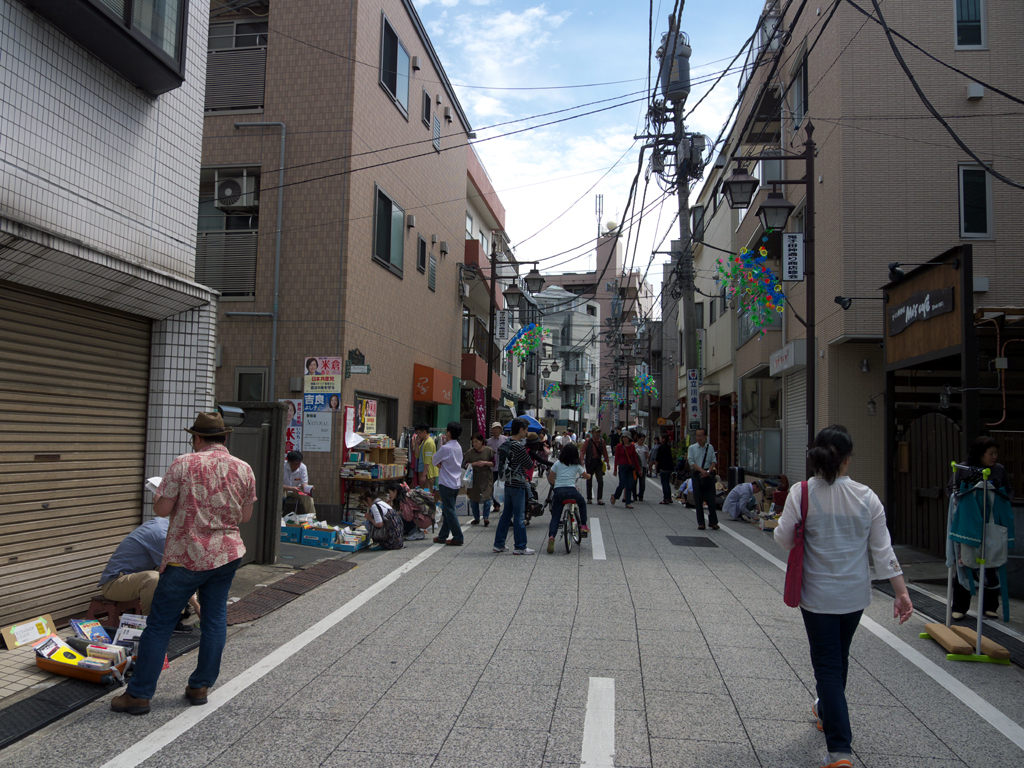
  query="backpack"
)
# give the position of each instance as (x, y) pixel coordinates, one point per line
(418, 507)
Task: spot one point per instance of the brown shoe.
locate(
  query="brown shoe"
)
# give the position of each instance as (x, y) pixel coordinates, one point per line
(700, 527)
(129, 704)
(715, 527)
(196, 696)
(438, 540)
(454, 542)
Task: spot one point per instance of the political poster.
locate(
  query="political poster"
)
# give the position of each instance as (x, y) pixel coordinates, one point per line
(323, 366)
(293, 425)
(322, 394)
(366, 415)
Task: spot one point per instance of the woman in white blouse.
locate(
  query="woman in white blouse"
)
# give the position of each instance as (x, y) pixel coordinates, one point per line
(844, 521)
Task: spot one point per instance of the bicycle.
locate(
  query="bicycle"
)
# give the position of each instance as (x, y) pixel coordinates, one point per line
(569, 524)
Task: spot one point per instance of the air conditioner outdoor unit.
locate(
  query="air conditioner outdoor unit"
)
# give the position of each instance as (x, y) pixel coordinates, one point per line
(236, 193)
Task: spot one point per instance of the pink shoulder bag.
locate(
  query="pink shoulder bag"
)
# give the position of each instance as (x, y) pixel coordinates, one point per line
(795, 566)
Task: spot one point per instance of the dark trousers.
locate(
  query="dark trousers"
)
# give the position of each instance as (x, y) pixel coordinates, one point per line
(702, 494)
(666, 485)
(641, 484)
(558, 499)
(830, 635)
(626, 483)
(596, 472)
(990, 595)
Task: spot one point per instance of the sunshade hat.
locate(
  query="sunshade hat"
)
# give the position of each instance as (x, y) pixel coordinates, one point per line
(209, 425)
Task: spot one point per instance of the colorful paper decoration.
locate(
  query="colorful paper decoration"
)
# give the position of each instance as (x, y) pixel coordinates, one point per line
(552, 389)
(759, 290)
(529, 341)
(644, 385)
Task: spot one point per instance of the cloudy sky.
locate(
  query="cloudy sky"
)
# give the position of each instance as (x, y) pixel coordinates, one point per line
(512, 59)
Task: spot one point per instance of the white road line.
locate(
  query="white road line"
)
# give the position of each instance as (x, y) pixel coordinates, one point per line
(596, 539)
(599, 726)
(171, 730)
(986, 711)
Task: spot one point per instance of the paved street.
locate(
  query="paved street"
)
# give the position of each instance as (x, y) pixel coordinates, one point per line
(467, 658)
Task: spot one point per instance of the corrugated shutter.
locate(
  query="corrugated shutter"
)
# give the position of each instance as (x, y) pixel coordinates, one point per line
(74, 380)
(226, 261)
(796, 426)
(236, 78)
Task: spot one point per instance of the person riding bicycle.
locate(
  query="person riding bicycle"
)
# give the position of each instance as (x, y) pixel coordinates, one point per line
(563, 476)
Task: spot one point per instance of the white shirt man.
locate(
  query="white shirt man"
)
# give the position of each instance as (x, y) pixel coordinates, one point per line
(703, 462)
(296, 482)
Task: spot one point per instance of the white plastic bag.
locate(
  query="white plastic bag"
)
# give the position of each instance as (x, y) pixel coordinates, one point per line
(467, 478)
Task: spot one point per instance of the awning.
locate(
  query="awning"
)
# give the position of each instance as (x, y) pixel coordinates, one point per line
(431, 385)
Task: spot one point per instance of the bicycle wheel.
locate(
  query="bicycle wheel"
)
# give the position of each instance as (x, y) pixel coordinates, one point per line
(567, 518)
(577, 534)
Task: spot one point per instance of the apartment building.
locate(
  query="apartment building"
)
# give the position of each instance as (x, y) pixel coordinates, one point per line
(106, 338)
(890, 185)
(339, 209)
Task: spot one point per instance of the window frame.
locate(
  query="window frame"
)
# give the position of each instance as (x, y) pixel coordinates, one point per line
(262, 370)
(989, 234)
(469, 226)
(427, 109)
(800, 73)
(983, 45)
(399, 269)
(697, 223)
(385, 25)
(421, 254)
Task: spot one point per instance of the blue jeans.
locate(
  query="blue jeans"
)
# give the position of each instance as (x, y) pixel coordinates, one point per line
(666, 485)
(175, 587)
(625, 488)
(449, 520)
(558, 498)
(513, 512)
(830, 636)
(474, 507)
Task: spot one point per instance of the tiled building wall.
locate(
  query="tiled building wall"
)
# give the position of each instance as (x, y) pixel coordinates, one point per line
(91, 158)
(181, 383)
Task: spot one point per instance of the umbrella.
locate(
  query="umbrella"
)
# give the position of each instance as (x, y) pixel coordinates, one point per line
(532, 422)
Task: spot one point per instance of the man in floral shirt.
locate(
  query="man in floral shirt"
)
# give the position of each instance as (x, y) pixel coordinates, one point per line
(206, 494)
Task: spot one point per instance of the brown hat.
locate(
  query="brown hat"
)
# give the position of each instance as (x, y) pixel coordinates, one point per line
(532, 437)
(209, 425)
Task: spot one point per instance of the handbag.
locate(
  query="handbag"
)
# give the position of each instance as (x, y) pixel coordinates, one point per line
(795, 566)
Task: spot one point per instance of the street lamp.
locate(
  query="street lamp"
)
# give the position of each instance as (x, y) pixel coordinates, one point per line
(739, 190)
(534, 280)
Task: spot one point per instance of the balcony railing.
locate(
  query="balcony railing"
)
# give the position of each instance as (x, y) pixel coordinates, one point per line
(226, 261)
(480, 343)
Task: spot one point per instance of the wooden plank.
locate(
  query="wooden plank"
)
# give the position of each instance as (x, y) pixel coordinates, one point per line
(988, 647)
(948, 639)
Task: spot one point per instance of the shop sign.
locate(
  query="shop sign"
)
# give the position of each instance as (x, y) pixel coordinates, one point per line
(322, 393)
(793, 355)
(430, 385)
(316, 432)
(693, 398)
(503, 325)
(923, 305)
(793, 257)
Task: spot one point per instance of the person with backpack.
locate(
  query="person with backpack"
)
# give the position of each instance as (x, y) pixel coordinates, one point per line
(595, 458)
(514, 461)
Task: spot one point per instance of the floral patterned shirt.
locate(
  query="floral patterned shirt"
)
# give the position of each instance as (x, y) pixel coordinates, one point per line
(210, 488)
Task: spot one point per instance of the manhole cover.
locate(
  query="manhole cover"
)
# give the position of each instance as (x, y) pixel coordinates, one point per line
(692, 541)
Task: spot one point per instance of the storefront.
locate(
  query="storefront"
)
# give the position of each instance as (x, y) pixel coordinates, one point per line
(790, 364)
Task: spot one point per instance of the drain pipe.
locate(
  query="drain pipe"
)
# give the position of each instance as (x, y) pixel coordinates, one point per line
(277, 256)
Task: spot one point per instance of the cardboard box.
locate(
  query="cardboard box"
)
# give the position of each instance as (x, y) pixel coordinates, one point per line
(291, 534)
(317, 537)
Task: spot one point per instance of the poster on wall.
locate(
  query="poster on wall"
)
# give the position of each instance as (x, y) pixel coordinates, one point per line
(351, 438)
(366, 415)
(323, 366)
(316, 432)
(322, 394)
(293, 425)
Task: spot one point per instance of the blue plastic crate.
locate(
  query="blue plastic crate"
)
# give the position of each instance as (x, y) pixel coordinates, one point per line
(316, 537)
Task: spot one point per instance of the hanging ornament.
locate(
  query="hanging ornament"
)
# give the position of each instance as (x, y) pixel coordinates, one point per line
(758, 289)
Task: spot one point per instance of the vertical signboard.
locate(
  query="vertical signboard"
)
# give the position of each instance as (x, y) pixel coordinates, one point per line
(316, 432)
(793, 257)
(692, 398)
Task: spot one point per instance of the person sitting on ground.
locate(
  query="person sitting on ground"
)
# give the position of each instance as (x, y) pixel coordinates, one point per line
(564, 474)
(384, 523)
(740, 503)
(133, 571)
(296, 482)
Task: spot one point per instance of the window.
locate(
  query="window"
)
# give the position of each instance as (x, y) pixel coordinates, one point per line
(238, 34)
(975, 202)
(724, 302)
(236, 65)
(250, 384)
(591, 310)
(712, 314)
(469, 226)
(971, 29)
(700, 314)
(421, 254)
(769, 32)
(593, 399)
(483, 242)
(432, 273)
(427, 101)
(394, 66)
(697, 223)
(228, 231)
(388, 232)
(717, 195)
(437, 133)
(798, 93)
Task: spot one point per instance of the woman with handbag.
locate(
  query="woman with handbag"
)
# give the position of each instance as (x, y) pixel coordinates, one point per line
(833, 522)
(627, 464)
(481, 459)
(383, 522)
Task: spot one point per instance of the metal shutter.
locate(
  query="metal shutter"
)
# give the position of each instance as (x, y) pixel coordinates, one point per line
(796, 426)
(74, 380)
(236, 78)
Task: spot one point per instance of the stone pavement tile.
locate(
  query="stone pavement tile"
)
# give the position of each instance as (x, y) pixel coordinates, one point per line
(543, 617)
(902, 761)
(575, 688)
(523, 637)
(595, 629)
(782, 744)
(401, 725)
(894, 731)
(282, 743)
(771, 699)
(863, 688)
(663, 642)
(441, 653)
(341, 699)
(754, 662)
(597, 606)
(484, 748)
(679, 753)
(565, 742)
(436, 682)
(504, 706)
(689, 675)
(610, 654)
(524, 668)
(967, 736)
(343, 758)
(703, 716)
(677, 621)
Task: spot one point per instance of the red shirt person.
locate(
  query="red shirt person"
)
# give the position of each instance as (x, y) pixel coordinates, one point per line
(627, 464)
